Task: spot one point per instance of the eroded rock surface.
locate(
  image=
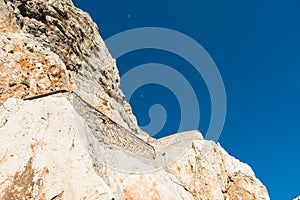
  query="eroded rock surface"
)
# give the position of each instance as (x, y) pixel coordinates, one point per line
(42, 155)
(45, 151)
(52, 45)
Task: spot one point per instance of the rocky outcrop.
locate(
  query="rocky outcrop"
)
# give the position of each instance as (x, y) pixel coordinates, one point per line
(82, 141)
(43, 156)
(296, 198)
(52, 45)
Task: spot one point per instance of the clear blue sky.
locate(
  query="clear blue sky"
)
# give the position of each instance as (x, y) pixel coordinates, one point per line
(256, 46)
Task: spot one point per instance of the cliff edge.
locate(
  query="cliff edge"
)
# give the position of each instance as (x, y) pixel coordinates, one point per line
(66, 131)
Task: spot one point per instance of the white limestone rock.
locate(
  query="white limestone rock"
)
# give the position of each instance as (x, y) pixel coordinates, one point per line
(42, 155)
(46, 149)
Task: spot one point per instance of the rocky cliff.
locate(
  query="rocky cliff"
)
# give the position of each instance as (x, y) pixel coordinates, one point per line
(66, 131)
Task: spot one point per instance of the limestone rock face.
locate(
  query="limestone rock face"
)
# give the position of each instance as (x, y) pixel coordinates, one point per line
(83, 142)
(42, 156)
(52, 45)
